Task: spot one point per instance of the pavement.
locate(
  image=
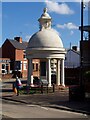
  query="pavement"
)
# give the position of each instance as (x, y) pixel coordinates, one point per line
(59, 99)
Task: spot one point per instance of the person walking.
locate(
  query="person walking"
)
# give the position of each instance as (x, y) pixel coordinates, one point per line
(17, 85)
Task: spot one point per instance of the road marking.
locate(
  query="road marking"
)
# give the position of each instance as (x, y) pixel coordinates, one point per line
(33, 105)
(44, 108)
(37, 106)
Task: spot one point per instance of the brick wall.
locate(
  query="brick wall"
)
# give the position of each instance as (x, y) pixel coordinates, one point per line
(18, 55)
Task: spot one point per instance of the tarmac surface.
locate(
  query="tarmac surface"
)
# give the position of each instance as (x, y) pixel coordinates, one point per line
(59, 99)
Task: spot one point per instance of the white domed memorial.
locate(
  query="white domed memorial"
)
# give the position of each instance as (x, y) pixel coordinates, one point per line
(46, 45)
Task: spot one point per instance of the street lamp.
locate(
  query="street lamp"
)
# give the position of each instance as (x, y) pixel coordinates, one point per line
(82, 89)
(81, 47)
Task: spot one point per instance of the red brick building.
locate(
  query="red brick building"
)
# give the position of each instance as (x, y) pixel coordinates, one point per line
(15, 51)
(4, 64)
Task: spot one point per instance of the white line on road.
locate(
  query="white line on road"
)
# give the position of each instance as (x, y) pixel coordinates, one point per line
(37, 106)
(33, 105)
(44, 108)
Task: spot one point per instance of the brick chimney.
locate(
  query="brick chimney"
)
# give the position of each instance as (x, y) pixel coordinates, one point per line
(19, 39)
(74, 48)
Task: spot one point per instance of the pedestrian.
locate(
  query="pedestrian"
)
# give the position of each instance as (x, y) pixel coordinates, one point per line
(18, 85)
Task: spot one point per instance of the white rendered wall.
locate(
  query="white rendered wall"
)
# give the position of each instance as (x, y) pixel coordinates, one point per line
(72, 59)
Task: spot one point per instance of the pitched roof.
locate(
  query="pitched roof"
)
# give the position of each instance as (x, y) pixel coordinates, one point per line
(77, 52)
(17, 45)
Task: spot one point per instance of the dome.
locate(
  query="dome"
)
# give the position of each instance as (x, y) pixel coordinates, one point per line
(46, 38)
(46, 42)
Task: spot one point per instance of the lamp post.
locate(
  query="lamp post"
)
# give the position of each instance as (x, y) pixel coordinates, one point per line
(82, 90)
(81, 47)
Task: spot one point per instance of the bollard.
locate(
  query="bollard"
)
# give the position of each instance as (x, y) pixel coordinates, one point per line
(27, 88)
(42, 88)
(53, 87)
(47, 88)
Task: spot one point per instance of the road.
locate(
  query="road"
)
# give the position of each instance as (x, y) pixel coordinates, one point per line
(18, 110)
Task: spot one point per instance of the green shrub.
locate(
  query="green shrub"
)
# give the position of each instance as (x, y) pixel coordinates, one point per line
(87, 75)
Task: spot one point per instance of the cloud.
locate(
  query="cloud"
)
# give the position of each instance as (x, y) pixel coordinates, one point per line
(27, 37)
(58, 8)
(68, 26)
(81, 0)
(42, 0)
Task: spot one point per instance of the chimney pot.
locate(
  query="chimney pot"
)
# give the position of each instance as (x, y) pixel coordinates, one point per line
(74, 48)
(19, 39)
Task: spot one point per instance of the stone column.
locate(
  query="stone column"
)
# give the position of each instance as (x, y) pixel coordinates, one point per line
(62, 73)
(30, 72)
(58, 72)
(28, 75)
(49, 72)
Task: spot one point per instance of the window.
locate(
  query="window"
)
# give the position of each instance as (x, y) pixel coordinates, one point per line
(25, 66)
(33, 66)
(43, 68)
(3, 71)
(17, 65)
(3, 66)
(24, 54)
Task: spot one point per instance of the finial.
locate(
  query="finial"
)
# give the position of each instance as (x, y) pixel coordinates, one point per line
(45, 10)
(45, 20)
